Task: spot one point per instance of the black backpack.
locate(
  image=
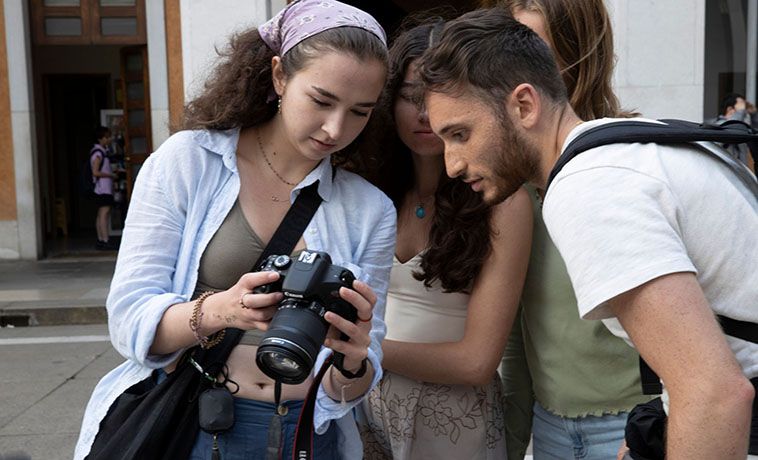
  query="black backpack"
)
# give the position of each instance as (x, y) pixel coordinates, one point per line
(86, 179)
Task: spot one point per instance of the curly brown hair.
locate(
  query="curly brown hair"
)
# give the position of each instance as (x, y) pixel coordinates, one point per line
(237, 93)
(459, 239)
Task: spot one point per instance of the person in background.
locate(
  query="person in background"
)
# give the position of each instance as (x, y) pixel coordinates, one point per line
(568, 382)
(633, 222)
(286, 99)
(456, 279)
(734, 107)
(102, 176)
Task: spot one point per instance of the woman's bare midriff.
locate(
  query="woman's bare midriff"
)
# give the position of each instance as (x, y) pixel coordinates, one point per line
(253, 383)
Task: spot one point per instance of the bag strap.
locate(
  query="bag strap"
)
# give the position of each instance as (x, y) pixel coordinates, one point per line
(97, 148)
(283, 241)
(672, 132)
(745, 330)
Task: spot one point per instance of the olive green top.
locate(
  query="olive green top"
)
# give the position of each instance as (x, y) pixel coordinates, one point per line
(577, 367)
(230, 254)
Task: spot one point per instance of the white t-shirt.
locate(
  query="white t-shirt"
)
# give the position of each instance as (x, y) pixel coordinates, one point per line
(624, 214)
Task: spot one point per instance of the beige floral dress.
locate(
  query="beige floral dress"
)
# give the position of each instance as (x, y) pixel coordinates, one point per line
(406, 419)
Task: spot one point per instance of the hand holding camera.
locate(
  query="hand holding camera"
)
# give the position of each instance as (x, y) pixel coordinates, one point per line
(316, 295)
(223, 308)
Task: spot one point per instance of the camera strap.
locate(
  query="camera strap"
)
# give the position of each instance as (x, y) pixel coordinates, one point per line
(293, 225)
(303, 448)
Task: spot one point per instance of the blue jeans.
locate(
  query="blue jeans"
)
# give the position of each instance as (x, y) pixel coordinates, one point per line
(590, 438)
(248, 437)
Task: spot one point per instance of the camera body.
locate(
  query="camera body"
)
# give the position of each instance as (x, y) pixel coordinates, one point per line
(310, 285)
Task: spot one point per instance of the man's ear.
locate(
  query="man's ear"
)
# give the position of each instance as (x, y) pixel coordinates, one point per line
(278, 77)
(524, 105)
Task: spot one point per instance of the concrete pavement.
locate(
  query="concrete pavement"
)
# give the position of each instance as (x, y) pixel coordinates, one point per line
(47, 373)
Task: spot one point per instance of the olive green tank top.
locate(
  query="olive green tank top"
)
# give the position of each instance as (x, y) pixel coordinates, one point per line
(230, 253)
(577, 366)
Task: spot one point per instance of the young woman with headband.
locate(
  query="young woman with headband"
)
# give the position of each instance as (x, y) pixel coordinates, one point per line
(286, 101)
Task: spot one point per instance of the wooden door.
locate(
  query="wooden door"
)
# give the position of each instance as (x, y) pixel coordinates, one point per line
(136, 104)
(89, 22)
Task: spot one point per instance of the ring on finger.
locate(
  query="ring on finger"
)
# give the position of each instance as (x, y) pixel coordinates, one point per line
(366, 320)
(242, 300)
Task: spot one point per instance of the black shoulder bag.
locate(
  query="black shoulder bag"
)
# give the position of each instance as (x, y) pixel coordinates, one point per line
(160, 421)
(646, 425)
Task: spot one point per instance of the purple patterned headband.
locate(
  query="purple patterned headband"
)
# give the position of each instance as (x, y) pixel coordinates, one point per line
(302, 19)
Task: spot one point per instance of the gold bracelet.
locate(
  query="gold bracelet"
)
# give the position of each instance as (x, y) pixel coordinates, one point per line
(197, 318)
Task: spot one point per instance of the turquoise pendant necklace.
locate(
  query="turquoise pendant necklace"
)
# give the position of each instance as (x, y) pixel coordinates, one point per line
(420, 210)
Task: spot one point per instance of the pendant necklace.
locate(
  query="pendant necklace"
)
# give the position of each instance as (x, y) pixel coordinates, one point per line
(274, 198)
(420, 211)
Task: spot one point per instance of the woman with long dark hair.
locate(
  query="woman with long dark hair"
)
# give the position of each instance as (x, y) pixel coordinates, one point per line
(456, 279)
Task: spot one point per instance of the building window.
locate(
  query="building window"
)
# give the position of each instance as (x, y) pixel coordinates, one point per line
(89, 22)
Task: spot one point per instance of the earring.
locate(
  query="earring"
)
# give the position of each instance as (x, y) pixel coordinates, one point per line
(279, 105)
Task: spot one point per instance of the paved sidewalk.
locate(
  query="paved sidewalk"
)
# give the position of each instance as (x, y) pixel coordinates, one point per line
(48, 373)
(55, 291)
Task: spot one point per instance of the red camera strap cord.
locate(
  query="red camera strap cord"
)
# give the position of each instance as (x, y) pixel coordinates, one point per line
(303, 449)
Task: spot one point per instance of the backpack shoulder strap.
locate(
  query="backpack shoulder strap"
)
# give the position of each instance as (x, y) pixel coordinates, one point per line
(95, 149)
(672, 132)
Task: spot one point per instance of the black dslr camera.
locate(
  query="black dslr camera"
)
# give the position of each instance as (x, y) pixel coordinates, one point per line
(311, 287)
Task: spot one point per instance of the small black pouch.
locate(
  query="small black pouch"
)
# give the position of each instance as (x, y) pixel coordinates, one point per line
(216, 414)
(216, 406)
(646, 431)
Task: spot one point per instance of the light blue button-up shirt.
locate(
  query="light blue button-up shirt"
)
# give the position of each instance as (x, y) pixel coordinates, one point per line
(183, 193)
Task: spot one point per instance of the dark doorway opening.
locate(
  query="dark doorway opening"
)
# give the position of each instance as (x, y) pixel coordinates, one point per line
(73, 104)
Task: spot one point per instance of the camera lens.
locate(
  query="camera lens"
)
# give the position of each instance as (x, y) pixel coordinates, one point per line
(283, 365)
(289, 348)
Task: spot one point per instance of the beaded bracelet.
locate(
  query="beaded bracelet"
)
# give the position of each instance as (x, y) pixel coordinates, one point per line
(197, 318)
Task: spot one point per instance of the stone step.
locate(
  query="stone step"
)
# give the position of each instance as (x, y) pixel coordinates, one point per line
(52, 313)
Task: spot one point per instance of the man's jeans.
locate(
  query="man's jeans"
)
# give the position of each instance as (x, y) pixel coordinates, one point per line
(587, 438)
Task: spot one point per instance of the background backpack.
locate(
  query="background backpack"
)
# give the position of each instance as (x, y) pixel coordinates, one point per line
(86, 179)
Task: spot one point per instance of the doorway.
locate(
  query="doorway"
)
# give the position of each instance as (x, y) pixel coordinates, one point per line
(73, 106)
(78, 87)
(80, 51)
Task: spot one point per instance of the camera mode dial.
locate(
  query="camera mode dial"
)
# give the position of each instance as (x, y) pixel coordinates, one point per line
(282, 262)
